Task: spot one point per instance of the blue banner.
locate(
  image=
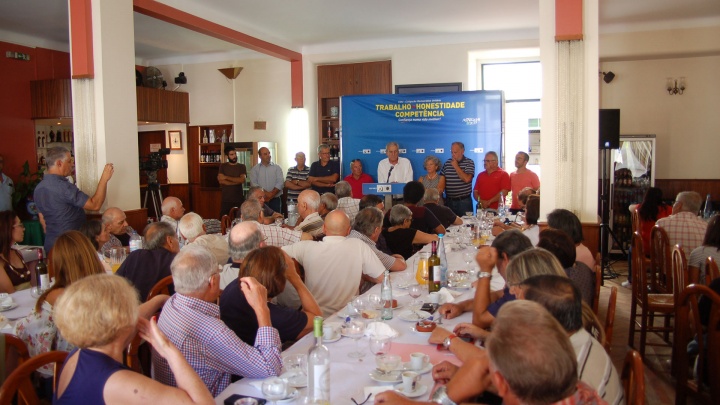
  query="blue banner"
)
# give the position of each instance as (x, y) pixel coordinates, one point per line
(422, 124)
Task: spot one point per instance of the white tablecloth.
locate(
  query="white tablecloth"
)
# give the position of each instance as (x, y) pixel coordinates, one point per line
(25, 304)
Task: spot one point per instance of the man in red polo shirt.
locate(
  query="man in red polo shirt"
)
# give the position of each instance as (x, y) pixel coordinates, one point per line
(357, 178)
(491, 183)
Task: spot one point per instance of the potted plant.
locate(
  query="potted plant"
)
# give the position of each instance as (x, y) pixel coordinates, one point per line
(22, 198)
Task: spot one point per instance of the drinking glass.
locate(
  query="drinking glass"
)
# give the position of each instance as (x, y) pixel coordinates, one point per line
(380, 344)
(355, 330)
(375, 302)
(117, 256)
(415, 291)
(469, 258)
(421, 275)
(387, 363)
(274, 389)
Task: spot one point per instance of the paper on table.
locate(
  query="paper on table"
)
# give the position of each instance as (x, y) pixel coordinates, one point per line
(446, 296)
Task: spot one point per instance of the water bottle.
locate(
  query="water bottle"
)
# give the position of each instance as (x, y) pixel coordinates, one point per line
(135, 241)
(707, 212)
(386, 296)
(443, 261)
(501, 207)
(319, 366)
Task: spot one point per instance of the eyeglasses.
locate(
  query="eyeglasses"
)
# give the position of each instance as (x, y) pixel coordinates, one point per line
(490, 160)
(20, 225)
(361, 403)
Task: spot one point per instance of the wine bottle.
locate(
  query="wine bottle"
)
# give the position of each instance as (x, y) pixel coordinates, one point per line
(319, 366)
(434, 270)
(41, 272)
(205, 138)
(329, 130)
(386, 295)
(443, 261)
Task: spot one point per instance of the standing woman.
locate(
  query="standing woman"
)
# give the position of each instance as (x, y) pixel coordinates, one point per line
(433, 178)
(14, 274)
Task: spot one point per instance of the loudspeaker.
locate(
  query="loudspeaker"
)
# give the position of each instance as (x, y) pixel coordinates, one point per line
(609, 129)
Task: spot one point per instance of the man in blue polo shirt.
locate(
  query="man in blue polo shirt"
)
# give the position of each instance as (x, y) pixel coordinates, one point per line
(62, 204)
(325, 172)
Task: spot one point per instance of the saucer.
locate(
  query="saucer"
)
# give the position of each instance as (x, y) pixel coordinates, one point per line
(295, 379)
(428, 367)
(295, 393)
(333, 339)
(419, 390)
(4, 308)
(391, 377)
(414, 316)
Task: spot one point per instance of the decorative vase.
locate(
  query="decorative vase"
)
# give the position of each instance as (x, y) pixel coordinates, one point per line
(334, 111)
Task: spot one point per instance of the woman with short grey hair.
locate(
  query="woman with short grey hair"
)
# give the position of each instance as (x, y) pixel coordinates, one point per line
(434, 178)
(400, 237)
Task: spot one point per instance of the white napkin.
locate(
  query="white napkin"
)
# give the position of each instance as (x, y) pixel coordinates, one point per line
(376, 389)
(6, 302)
(380, 328)
(257, 384)
(446, 296)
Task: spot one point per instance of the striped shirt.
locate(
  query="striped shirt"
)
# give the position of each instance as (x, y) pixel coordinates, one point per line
(684, 228)
(278, 236)
(294, 174)
(385, 259)
(454, 186)
(596, 369)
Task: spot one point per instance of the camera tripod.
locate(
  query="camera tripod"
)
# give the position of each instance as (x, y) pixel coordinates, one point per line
(153, 190)
(605, 230)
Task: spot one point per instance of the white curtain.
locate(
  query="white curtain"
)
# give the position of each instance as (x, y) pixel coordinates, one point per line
(86, 168)
(570, 126)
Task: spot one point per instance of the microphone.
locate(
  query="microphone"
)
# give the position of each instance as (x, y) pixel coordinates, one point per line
(389, 172)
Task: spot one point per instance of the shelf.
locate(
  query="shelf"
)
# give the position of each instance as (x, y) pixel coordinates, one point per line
(210, 164)
(330, 118)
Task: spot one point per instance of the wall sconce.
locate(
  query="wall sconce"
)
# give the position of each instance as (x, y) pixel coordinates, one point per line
(675, 86)
(608, 76)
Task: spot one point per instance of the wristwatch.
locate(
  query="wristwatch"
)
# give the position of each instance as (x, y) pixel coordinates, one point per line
(440, 396)
(446, 342)
(484, 274)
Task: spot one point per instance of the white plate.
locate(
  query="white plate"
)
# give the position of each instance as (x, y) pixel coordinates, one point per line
(295, 379)
(412, 316)
(294, 394)
(392, 377)
(428, 367)
(8, 307)
(419, 390)
(333, 339)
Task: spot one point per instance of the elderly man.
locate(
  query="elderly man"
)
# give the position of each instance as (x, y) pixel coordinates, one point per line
(231, 176)
(172, 210)
(325, 172)
(357, 178)
(422, 218)
(335, 266)
(193, 230)
(368, 227)
(328, 202)
(61, 203)
(684, 227)
(269, 177)
(115, 221)
(521, 179)
(191, 321)
(459, 171)
(446, 216)
(310, 220)
(346, 202)
(275, 235)
(492, 183)
(256, 193)
(297, 178)
(145, 267)
(394, 169)
(6, 188)
(243, 239)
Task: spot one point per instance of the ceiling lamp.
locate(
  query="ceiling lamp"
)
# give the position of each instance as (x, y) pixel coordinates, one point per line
(231, 73)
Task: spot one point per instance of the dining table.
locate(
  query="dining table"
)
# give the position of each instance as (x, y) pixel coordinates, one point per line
(350, 378)
(22, 304)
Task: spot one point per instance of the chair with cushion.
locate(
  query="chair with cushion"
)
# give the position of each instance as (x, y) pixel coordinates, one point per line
(161, 287)
(610, 318)
(19, 380)
(633, 378)
(660, 268)
(649, 304)
(692, 378)
(711, 270)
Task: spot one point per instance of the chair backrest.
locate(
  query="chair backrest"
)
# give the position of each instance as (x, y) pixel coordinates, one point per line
(639, 275)
(633, 378)
(19, 380)
(598, 283)
(711, 270)
(233, 213)
(660, 268)
(13, 349)
(225, 223)
(610, 318)
(708, 351)
(635, 220)
(138, 356)
(161, 287)
(679, 270)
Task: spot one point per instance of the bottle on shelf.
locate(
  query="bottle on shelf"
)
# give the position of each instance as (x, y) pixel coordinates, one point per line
(318, 363)
(434, 270)
(52, 135)
(205, 138)
(707, 212)
(41, 273)
(443, 261)
(211, 137)
(329, 130)
(135, 241)
(386, 296)
(223, 138)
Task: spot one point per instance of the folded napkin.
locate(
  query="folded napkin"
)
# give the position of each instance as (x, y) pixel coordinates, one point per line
(446, 295)
(380, 328)
(376, 389)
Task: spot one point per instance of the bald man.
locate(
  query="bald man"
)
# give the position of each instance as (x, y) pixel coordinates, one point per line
(173, 210)
(335, 266)
(114, 219)
(243, 239)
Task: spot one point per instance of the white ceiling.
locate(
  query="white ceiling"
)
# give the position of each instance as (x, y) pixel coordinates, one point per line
(315, 26)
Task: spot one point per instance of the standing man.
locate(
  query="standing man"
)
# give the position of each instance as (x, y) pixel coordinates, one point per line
(324, 173)
(492, 183)
(459, 171)
(394, 169)
(297, 178)
(522, 178)
(6, 188)
(357, 178)
(231, 177)
(269, 176)
(61, 203)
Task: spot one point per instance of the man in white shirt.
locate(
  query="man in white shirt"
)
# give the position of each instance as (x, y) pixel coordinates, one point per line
(193, 229)
(307, 208)
(394, 169)
(335, 266)
(684, 227)
(173, 210)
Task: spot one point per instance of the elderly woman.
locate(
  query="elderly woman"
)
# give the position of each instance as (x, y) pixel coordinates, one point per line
(94, 372)
(433, 178)
(400, 237)
(98, 235)
(272, 268)
(14, 273)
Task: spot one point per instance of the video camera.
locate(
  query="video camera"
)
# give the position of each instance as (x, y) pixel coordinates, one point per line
(154, 161)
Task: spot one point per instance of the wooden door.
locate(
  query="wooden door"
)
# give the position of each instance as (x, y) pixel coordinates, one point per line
(335, 80)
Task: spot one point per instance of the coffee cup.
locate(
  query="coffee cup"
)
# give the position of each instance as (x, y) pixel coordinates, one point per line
(418, 361)
(434, 298)
(409, 379)
(328, 332)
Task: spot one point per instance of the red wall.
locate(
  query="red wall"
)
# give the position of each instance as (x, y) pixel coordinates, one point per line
(17, 130)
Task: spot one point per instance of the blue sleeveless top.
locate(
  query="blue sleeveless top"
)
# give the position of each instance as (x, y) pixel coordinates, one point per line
(91, 373)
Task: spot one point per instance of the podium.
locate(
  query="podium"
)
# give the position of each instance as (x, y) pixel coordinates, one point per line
(386, 189)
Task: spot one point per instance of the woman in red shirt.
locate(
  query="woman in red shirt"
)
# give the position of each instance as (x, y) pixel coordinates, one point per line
(649, 211)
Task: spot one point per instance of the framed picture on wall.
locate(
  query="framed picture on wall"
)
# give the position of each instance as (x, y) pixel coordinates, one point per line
(175, 140)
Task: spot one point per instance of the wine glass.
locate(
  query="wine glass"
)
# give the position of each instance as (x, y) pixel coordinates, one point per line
(380, 344)
(415, 291)
(469, 258)
(375, 302)
(274, 389)
(355, 330)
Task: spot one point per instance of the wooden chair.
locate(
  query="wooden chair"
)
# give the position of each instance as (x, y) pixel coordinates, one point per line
(138, 356)
(708, 360)
(161, 287)
(14, 348)
(679, 270)
(660, 269)
(19, 380)
(633, 378)
(649, 304)
(225, 224)
(635, 221)
(610, 319)
(598, 282)
(711, 270)
(233, 213)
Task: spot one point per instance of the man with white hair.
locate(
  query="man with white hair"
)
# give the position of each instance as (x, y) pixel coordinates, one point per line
(335, 266)
(684, 227)
(115, 221)
(308, 203)
(297, 178)
(193, 230)
(394, 169)
(173, 210)
(325, 172)
(328, 202)
(368, 227)
(191, 321)
(251, 211)
(256, 193)
(446, 216)
(346, 202)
